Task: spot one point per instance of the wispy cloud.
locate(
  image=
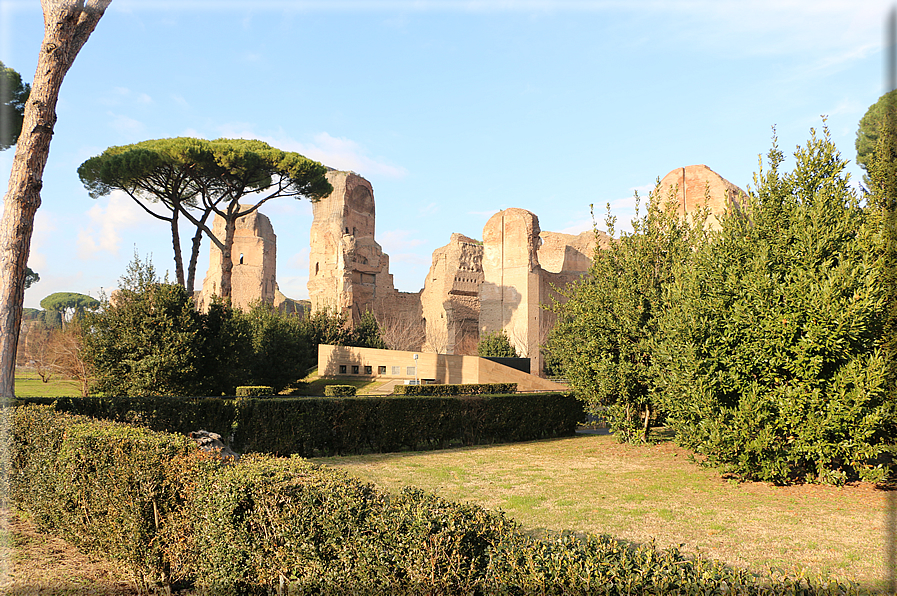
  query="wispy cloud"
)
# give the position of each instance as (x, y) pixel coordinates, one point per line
(336, 152)
(104, 232)
(120, 96)
(396, 241)
(299, 260)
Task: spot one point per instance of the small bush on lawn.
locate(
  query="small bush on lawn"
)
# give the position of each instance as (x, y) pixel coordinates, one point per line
(339, 391)
(255, 391)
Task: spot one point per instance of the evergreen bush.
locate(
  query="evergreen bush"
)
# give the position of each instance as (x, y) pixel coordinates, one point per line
(770, 358)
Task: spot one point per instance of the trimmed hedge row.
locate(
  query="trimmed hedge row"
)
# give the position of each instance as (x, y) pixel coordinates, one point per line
(313, 427)
(264, 525)
(254, 390)
(444, 390)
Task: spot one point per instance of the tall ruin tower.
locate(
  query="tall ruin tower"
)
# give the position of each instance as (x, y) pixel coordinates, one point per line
(254, 256)
(348, 271)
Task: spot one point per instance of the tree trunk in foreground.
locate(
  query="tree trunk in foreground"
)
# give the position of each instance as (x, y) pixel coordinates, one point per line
(67, 25)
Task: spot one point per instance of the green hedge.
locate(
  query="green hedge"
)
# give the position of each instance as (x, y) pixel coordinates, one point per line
(110, 489)
(325, 426)
(339, 391)
(267, 525)
(469, 389)
(254, 390)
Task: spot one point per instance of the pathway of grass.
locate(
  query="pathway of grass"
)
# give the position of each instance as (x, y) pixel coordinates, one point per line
(592, 484)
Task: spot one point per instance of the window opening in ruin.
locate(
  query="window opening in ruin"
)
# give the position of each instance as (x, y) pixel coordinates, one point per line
(396, 370)
(347, 230)
(381, 370)
(342, 369)
(354, 369)
(316, 268)
(241, 258)
(368, 370)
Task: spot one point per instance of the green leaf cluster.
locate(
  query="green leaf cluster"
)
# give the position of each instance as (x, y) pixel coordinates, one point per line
(496, 345)
(770, 359)
(13, 96)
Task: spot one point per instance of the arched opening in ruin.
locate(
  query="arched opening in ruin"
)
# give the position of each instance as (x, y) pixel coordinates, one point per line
(241, 258)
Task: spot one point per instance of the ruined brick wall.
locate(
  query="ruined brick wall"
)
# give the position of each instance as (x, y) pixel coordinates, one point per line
(450, 298)
(689, 185)
(254, 256)
(348, 270)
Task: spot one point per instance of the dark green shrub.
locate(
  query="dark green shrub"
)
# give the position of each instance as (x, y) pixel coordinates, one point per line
(771, 358)
(339, 391)
(602, 341)
(496, 344)
(255, 391)
(267, 525)
(282, 350)
(326, 426)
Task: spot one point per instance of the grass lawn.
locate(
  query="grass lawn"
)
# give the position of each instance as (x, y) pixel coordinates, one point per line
(316, 384)
(592, 484)
(28, 384)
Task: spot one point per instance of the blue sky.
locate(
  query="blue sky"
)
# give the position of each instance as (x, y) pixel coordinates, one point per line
(453, 110)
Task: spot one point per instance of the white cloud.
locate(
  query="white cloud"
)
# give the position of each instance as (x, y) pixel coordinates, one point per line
(103, 233)
(124, 96)
(180, 100)
(294, 286)
(428, 210)
(44, 228)
(126, 125)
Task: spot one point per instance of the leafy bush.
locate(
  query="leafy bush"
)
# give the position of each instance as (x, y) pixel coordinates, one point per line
(496, 345)
(282, 350)
(770, 351)
(602, 341)
(339, 391)
(254, 390)
(458, 389)
(150, 340)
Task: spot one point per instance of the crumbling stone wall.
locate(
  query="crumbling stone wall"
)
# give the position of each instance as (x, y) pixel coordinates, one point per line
(450, 301)
(472, 287)
(254, 254)
(348, 270)
(692, 185)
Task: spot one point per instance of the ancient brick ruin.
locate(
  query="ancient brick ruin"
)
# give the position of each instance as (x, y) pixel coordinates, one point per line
(473, 287)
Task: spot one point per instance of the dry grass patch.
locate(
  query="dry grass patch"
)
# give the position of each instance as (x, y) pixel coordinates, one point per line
(35, 563)
(592, 484)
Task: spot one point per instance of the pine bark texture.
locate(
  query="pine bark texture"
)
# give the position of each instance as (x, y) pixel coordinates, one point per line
(67, 25)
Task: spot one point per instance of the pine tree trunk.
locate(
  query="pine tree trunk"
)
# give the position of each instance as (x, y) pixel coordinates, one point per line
(227, 261)
(176, 242)
(67, 25)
